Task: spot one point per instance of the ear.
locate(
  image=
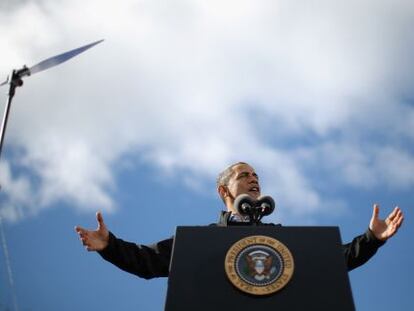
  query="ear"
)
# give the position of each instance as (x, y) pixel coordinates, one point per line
(222, 191)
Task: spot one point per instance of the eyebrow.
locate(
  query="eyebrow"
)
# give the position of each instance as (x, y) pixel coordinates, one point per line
(244, 173)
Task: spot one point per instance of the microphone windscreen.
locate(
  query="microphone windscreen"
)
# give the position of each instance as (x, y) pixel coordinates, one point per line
(244, 204)
(267, 204)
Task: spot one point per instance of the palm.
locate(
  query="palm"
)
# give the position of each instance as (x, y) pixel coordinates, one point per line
(383, 229)
(94, 240)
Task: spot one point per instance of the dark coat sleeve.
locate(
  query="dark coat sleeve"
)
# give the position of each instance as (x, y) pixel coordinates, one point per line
(361, 249)
(145, 261)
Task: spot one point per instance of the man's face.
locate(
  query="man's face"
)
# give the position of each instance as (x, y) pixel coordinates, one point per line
(244, 180)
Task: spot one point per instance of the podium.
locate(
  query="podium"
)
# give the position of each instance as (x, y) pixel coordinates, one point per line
(198, 279)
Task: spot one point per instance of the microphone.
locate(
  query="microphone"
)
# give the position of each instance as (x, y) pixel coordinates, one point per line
(266, 204)
(245, 205)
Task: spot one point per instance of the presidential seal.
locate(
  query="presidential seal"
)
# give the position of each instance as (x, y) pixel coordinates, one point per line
(259, 265)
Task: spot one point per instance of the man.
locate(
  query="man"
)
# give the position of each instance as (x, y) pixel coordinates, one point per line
(240, 178)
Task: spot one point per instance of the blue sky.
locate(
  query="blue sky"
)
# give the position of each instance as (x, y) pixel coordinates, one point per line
(317, 96)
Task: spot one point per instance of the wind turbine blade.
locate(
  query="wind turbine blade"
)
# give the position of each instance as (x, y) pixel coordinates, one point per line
(58, 59)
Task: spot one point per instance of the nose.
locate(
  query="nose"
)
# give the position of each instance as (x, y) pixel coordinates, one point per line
(253, 179)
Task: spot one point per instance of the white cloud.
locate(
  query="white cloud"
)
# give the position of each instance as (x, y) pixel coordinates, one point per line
(182, 85)
(19, 193)
(395, 168)
(365, 167)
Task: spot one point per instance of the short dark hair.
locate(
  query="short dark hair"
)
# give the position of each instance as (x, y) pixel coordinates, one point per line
(224, 177)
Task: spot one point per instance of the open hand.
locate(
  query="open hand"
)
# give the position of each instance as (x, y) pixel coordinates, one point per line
(384, 229)
(94, 240)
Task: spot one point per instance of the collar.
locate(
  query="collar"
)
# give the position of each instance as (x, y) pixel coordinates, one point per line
(224, 221)
(238, 218)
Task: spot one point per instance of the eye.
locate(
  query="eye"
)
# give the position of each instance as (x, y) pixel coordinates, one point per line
(243, 175)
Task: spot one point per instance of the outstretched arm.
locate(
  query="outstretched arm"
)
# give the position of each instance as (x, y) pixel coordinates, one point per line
(146, 261)
(363, 247)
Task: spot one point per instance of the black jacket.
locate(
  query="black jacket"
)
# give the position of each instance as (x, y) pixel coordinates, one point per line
(149, 261)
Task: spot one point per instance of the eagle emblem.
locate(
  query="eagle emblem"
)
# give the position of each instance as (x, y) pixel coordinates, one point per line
(260, 265)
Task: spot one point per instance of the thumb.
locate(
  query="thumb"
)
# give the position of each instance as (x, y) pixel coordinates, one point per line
(375, 211)
(100, 220)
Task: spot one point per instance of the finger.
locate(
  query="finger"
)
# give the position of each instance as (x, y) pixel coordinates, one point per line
(400, 222)
(83, 237)
(375, 211)
(395, 225)
(398, 214)
(399, 219)
(80, 230)
(393, 214)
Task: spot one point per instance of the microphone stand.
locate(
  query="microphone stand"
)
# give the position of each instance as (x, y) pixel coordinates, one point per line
(255, 216)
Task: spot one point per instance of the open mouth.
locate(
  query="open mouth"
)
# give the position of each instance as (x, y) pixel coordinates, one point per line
(255, 189)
